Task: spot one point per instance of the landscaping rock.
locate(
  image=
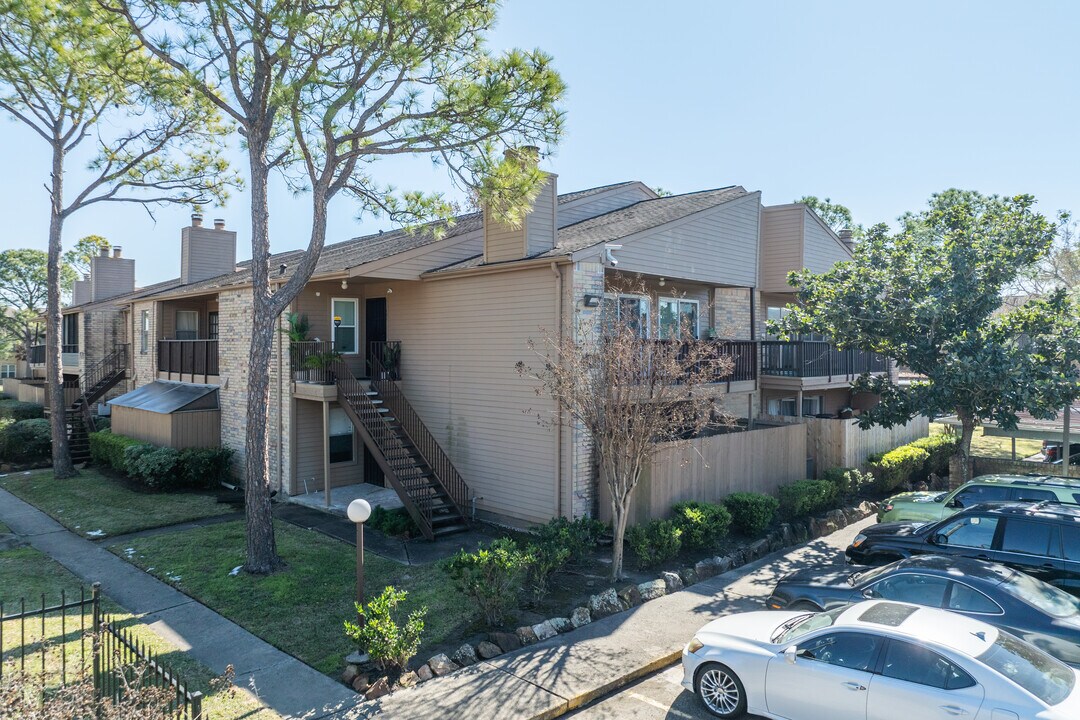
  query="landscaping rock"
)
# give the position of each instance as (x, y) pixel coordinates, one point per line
(867, 508)
(408, 679)
(423, 673)
(604, 604)
(379, 688)
(508, 642)
(723, 564)
(630, 596)
(561, 624)
(441, 665)
(488, 650)
(689, 577)
(526, 635)
(837, 517)
(544, 630)
(707, 568)
(757, 549)
(360, 683)
(652, 590)
(787, 534)
(350, 673)
(672, 581)
(465, 655)
(580, 617)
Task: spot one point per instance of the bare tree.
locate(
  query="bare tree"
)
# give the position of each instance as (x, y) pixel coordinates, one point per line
(630, 394)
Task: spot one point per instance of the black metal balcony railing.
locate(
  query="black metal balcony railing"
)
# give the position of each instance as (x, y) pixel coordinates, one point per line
(313, 360)
(742, 353)
(812, 358)
(36, 355)
(189, 357)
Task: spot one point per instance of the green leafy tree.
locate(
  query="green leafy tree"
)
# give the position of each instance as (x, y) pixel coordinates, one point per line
(389, 645)
(78, 257)
(23, 292)
(930, 297)
(319, 92)
(75, 75)
(835, 215)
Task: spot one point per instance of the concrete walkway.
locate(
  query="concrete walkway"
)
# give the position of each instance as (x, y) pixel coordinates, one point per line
(556, 676)
(283, 683)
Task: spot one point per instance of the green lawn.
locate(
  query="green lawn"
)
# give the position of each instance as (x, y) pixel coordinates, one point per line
(27, 573)
(4, 529)
(92, 503)
(300, 609)
(996, 447)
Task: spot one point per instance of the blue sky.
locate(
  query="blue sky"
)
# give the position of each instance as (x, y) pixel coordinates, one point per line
(875, 105)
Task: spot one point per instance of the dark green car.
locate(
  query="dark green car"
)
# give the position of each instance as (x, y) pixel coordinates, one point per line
(933, 506)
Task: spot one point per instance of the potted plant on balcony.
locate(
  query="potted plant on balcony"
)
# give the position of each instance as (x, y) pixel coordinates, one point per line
(391, 361)
(321, 363)
(298, 332)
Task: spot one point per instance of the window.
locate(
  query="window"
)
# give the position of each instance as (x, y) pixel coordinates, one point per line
(916, 664)
(1028, 537)
(811, 405)
(7, 371)
(1024, 494)
(344, 334)
(1045, 677)
(632, 310)
(907, 587)
(1070, 541)
(144, 332)
(70, 333)
(212, 325)
(341, 436)
(981, 493)
(852, 650)
(968, 599)
(187, 325)
(678, 318)
(975, 531)
(781, 406)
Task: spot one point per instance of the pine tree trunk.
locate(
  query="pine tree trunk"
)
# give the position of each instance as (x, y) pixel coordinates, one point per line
(54, 369)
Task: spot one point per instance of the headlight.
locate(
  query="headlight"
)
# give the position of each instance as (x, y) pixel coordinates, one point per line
(859, 540)
(694, 645)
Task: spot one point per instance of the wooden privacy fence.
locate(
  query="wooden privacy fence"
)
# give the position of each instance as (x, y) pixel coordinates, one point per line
(710, 468)
(832, 442)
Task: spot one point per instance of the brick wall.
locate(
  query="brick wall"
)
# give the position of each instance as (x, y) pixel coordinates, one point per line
(145, 364)
(731, 309)
(588, 278)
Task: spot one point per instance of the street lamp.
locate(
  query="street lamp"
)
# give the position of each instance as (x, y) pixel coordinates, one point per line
(359, 511)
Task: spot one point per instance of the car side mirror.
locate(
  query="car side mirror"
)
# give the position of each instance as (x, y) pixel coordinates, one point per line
(954, 504)
(868, 593)
(939, 539)
(790, 653)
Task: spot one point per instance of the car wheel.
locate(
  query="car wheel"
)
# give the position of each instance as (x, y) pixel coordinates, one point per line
(803, 605)
(721, 691)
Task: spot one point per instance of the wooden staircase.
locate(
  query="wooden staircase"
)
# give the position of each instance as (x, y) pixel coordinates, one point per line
(429, 486)
(98, 379)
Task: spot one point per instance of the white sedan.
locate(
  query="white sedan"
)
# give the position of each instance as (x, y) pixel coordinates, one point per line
(875, 660)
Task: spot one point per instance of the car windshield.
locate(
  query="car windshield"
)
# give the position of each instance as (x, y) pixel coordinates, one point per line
(798, 626)
(1046, 678)
(1041, 596)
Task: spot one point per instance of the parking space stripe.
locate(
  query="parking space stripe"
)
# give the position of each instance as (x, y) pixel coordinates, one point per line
(671, 712)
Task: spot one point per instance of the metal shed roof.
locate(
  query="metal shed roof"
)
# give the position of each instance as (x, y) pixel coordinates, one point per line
(165, 397)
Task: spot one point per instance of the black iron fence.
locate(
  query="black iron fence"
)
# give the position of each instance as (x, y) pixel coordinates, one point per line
(194, 357)
(812, 358)
(73, 641)
(36, 355)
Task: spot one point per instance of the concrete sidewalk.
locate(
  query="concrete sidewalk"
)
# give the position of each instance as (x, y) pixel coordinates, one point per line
(283, 683)
(552, 677)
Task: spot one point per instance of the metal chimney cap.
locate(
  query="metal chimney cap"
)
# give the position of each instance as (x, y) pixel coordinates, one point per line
(196, 219)
(219, 223)
(117, 250)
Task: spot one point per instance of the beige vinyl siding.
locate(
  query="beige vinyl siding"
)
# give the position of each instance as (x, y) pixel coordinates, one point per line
(601, 203)
(460, 340)
(781, 245)
(111, 276)
(540, 224)
(411, 264)
(502, 242)
(179, 430)
(717, 246)
(206, 253)
(821, 248)
(308, 422)
(203, 306)
(319, 315)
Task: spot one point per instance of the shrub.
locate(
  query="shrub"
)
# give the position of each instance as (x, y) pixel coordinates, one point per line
(848, 481)
(396, 522)
(898, 466)
(492, 577)
(107, 449)
(578, 535)
(21, 410)
(544, 559)
(703, 525)
(26, 441)
(806, 497)
(389, 645)
(102, 423)
(751, 512)
(204, 467)
(156, 467)
(654, 542)
(940, 447)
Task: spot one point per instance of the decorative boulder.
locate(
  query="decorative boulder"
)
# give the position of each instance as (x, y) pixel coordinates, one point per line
(707, 568)
(787, 534)
(488, 650)
(757, 549)
(652, 590)
(360, 683)
(351, 671)
(379, 688)
(723, 564)
(441, 665)
(561, 624)
(544, 630)
(465, 655)
(580, 617)
(508, 642)
(526, 635)
(838, 517)
(604, 604)
(672, 582)
(689, 577)
(423, 673)
(408, 679)
(630, 596)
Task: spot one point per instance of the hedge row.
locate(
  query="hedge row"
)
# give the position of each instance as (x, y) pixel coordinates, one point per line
(25, 441)
(913, 462)
(161, 467)
(16, 410)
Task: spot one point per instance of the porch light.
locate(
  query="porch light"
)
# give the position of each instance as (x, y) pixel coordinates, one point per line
(591, 301)
(359, 511)
(337, 321)
(344, 284)
(663, 282)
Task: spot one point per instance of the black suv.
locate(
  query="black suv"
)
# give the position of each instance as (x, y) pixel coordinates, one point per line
(1040, 539)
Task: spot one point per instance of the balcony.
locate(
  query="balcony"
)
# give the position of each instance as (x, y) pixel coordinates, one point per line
(743, 353)
(36, 355)
(190, 360)
(817, 360)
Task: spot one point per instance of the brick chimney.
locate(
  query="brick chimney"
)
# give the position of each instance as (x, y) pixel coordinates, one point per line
(206, 252)
(537, 232)
(847, 239)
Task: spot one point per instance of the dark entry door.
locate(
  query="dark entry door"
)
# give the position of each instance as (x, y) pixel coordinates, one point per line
(375, 331)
